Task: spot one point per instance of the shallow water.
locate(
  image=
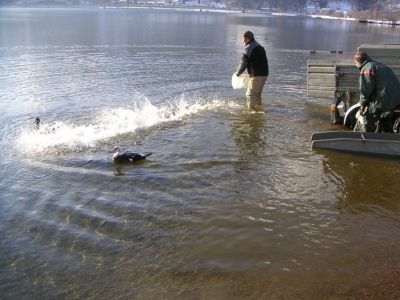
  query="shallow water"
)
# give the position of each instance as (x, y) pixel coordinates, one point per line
(232, 204)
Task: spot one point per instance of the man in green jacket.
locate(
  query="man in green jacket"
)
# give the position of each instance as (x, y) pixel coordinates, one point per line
(379, 93)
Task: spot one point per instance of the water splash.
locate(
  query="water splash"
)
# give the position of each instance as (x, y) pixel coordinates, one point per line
(110, 123)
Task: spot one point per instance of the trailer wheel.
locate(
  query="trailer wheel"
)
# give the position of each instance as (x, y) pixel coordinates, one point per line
(350, 119)
(396, 125)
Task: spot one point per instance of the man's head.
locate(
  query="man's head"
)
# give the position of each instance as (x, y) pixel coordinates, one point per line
(248, 36)
(360, 58)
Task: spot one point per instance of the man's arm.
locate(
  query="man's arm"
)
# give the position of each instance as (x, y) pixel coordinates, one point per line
(245, 60)
(367, 86)
(243, 65)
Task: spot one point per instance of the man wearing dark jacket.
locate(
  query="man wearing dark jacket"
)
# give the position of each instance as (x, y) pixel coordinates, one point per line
(379, 92)
(255, 61)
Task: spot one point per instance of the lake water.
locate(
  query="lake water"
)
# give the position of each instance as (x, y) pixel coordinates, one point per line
(231, 205)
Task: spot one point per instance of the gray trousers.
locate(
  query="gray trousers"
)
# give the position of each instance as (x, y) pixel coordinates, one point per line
(254, 91)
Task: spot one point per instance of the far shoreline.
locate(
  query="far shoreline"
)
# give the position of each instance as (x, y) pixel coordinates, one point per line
(206, 9)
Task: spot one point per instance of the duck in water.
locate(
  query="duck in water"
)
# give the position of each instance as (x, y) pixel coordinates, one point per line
(122, 157)
(37, 122)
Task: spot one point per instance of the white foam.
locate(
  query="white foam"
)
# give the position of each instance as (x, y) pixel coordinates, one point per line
(110, 123)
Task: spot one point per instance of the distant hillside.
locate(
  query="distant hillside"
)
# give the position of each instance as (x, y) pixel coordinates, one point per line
(299, 5)
(283, 5)
(39, 2)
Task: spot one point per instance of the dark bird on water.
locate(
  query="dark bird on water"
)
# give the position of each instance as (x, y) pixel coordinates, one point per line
(122, 157)
(37, 123)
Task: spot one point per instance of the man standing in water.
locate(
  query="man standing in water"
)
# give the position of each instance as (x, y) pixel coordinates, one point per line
(255, 61)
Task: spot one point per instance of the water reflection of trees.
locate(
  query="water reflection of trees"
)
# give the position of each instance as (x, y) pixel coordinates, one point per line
(366, 183)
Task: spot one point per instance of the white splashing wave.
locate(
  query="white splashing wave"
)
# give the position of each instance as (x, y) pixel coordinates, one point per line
(110, 123)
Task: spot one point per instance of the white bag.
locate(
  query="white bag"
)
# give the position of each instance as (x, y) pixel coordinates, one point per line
(240, 82)
(361, 119)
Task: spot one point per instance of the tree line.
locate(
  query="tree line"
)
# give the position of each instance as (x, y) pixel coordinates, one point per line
(298, 5)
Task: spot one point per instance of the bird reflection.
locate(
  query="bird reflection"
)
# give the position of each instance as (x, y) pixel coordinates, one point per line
(118, 171)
